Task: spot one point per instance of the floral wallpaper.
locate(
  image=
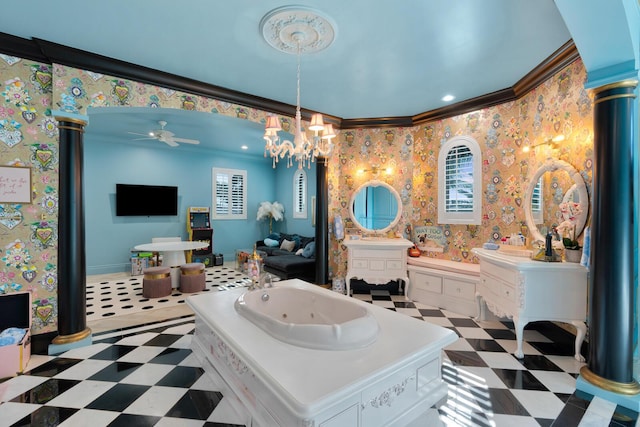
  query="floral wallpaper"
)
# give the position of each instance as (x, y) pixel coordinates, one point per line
(559, 105)
(28, 231)
(28, 137)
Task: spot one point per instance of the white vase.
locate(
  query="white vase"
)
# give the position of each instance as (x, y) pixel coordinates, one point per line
(572, 255)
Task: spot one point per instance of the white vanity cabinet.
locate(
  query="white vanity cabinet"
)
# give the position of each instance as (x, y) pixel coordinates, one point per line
(528, 291)
(377, 261)
(446, 284)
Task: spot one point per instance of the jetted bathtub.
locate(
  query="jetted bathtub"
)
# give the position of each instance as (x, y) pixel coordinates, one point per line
(309, 319)
(395, 380)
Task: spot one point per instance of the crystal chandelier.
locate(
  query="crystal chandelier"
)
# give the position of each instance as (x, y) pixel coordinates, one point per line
(303, 30)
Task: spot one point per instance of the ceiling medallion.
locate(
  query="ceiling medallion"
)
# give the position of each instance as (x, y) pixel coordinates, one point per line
(297, 29)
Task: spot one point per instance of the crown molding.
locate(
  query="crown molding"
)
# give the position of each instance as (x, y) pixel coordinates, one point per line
(48, 52)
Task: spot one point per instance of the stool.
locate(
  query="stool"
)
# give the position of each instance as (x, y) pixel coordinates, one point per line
(192, 277)
(156, 282)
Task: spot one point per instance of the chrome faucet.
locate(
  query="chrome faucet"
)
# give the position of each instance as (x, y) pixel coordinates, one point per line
(265, 281)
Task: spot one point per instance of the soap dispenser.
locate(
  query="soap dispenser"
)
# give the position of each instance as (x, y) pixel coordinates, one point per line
(548, 245)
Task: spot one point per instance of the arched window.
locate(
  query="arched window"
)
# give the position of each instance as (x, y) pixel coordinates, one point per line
(300, 194)
(460, 182)
(537, 203)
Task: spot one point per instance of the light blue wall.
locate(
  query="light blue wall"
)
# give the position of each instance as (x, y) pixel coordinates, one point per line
(110, 238)
(284, 195)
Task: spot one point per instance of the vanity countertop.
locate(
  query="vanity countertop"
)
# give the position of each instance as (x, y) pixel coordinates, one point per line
(378, 241)
(523, 263)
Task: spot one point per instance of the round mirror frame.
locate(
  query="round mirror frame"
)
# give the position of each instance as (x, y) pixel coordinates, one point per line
(376, 183)
(552, 165)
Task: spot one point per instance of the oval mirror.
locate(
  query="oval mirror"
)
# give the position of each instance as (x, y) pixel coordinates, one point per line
(375, 207)
(537, 201)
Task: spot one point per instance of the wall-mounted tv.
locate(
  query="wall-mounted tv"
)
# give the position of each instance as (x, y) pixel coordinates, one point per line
(146, 200)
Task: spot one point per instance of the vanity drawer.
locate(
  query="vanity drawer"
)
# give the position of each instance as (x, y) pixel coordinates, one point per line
(489, 286)
(426, 282)
(508, 292)
(376, 264)
(459, 289)
(393, 264)
(504, 274)
(377, 253)
(360, 264)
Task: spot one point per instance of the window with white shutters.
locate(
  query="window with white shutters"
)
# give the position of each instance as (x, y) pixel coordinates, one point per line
(300, 194)
(229, 193)
(460, 182)
(536, 203)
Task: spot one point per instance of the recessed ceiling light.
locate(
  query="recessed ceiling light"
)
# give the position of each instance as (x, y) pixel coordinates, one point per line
(448, 98)
(244, 147)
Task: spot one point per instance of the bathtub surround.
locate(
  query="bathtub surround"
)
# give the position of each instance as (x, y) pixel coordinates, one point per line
(271, 378)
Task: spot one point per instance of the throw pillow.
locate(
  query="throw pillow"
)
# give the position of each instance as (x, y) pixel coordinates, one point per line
(299, 251)
(270, 242)
(309, 250)
(288, 245)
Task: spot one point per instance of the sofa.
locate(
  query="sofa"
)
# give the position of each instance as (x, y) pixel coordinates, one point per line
(289, 256)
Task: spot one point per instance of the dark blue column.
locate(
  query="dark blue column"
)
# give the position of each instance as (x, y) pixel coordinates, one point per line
(611, 295)
(72, 314)
(322, 222)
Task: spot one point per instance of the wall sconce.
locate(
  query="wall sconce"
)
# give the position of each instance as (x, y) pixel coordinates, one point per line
(553, 143)
(375, 170)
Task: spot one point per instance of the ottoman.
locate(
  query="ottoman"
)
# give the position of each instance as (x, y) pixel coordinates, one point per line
(192, 277)
(156, 282)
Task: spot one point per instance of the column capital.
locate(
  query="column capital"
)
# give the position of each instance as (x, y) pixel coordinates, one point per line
(63, 116)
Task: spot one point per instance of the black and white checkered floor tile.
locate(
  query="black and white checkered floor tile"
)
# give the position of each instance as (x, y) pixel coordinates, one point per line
(147, 375)
(120, 297)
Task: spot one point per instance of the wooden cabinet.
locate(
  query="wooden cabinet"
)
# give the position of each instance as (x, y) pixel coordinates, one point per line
(528, 291)
(377, 261)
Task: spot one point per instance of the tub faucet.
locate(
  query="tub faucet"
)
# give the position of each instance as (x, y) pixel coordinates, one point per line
(266, 281)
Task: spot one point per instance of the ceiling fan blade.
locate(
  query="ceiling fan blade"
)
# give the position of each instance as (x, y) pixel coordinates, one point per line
(143, 134)
(186, 141)
(142, 139)
(169, 141)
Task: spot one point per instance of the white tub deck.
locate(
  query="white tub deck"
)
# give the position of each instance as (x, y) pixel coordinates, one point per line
(393, 380)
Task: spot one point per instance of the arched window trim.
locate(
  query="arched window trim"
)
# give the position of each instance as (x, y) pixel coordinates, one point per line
(475, 215)
(300, 194)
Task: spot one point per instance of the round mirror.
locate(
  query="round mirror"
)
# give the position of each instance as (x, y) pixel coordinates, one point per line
(545, 194)
(375, 207)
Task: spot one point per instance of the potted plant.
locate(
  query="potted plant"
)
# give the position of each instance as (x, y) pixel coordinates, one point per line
(573, 250)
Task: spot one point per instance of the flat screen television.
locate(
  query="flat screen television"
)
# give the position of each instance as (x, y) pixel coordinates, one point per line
(146, 200)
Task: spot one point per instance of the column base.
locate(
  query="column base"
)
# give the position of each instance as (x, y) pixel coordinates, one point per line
(62, 343)
(623, 394)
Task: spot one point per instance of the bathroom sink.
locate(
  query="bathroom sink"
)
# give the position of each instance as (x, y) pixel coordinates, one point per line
(318, 319)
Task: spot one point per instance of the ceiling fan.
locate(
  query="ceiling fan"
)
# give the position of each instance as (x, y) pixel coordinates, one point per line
(165, 136)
